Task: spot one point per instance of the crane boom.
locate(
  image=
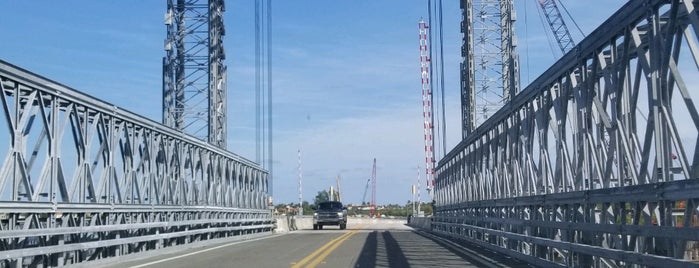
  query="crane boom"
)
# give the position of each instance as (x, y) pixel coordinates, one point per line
(558, 26)
(365, 190)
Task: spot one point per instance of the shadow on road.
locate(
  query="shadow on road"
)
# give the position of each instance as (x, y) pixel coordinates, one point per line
(396, 257)
(367, 257)
(396, 249)
(500, 259)
(389, 248)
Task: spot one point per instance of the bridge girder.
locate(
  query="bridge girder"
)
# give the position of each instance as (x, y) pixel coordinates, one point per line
(595, 163)
(83, 180)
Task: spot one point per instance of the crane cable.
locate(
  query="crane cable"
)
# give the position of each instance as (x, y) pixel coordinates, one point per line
(258, 150)
(571, 19)
(526, 37)
(436, 8)
(548, 37)
(435, 121)
(263, 82)
(270, 149)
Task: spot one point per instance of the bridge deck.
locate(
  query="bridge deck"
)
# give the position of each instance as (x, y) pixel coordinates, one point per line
(375, 244)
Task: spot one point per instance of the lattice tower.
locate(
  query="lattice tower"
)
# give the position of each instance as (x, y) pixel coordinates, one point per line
(490, 67)
(194, 73)
(427, 114)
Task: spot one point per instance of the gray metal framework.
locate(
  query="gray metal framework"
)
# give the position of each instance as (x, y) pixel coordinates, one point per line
(558, 26)
(83, 180)
(490, 67)
(194, 73)
(596, 163)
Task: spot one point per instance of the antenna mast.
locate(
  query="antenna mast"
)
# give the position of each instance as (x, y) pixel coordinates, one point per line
(300, 186)
(426, 103)
(418, 189)
(194, 73)
(372, 212)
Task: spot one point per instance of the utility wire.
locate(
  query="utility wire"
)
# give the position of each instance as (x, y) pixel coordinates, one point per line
(257, 83)
(435, 80)
(571, 18)
(263, 52)
(270, 148)
(526, 37)
(435, 120)
(441, 73)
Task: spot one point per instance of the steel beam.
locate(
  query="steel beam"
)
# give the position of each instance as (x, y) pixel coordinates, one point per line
(595, 163)
(84, 180)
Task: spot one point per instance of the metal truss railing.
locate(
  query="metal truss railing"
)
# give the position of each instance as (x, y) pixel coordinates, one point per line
(595, 164)
(84, 180)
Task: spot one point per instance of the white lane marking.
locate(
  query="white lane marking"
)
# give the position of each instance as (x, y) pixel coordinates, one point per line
(200, 251)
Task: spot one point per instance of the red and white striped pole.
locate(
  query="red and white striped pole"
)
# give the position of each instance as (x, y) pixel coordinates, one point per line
(426, 103)
(300, 187)
(418, 190)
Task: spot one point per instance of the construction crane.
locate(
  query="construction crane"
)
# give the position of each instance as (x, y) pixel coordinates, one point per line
(428, 127)
(558, 26)
(365, 190)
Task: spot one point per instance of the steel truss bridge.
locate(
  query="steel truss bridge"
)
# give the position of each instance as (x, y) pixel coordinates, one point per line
(595, 163)
(83, 180)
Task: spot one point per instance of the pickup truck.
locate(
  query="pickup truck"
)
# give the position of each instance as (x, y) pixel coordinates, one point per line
(330, 213)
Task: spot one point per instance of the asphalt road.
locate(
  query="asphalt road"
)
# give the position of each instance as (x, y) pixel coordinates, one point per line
(361, 246)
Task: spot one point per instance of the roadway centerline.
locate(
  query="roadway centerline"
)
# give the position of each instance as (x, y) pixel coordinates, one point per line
(319, 254)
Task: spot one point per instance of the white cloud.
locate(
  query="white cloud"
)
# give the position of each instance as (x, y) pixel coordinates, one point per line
(347, 147)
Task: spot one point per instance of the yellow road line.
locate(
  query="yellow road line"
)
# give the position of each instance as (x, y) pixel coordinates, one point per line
(317, 251)
(324, 250)
(327, 252)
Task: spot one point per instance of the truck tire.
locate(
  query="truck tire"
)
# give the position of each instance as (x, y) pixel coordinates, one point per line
(315, 226)
(320, 227)
(343, 226)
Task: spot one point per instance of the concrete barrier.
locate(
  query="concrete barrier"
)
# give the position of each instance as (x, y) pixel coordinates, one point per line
(285, 224)
(422, 222)
(303, 222)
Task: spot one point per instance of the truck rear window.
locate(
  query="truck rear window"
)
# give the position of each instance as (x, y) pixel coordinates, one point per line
(330, 205)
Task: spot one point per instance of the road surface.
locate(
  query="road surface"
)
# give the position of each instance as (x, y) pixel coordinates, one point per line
(365, 245)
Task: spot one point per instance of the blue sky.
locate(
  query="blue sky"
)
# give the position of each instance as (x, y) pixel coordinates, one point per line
(346, 76)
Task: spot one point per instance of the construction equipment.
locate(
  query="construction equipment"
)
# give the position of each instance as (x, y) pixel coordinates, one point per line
(558, 26)
(365, 190)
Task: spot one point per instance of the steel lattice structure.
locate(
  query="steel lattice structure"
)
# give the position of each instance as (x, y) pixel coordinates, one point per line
(558, 26)
(490, 67)
(595, 164)
(83, 180)
(427, 115)
(194, 73)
